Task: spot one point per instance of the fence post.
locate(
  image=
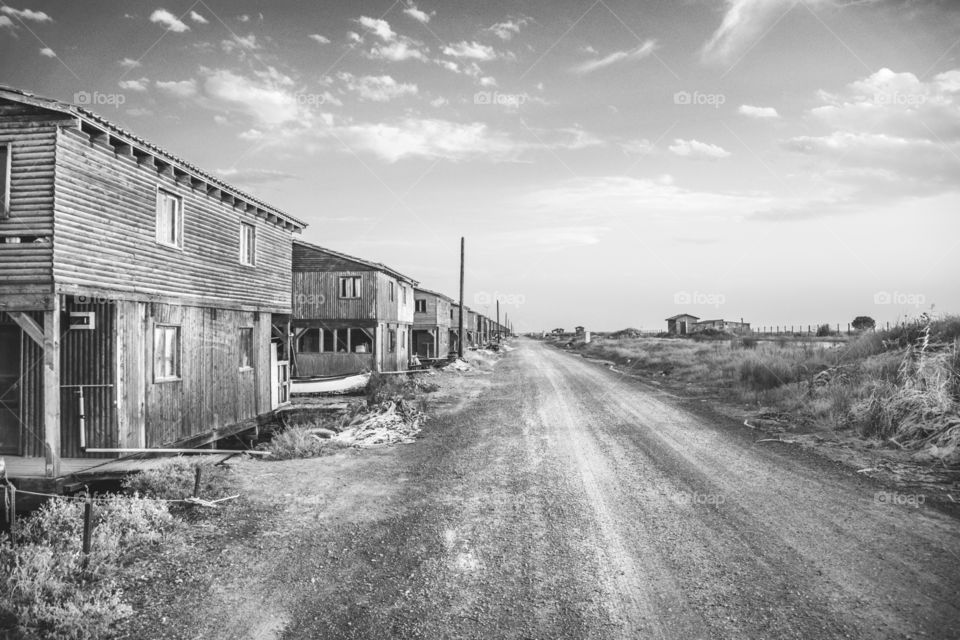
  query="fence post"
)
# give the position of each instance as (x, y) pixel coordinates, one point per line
(196, 483)
(87, 524)
(11, 492)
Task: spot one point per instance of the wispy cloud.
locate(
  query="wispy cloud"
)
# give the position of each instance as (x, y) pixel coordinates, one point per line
(178, 88)
(697, 150)
(27, 15)
(376, 88)
(508, 28)
(168, 20)
(758, 112)
(134, 85)
(199, 19)
(316, 37)
(47, 52)
(129, 63)
(418, 15)
(470, 50)
(638, 53)
(255, 176)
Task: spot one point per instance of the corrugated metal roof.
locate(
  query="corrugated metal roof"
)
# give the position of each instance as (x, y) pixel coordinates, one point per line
(78, 111)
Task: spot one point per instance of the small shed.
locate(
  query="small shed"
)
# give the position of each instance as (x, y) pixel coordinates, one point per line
(681, 324)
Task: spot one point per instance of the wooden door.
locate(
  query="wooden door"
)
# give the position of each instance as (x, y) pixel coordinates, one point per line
(10, 390)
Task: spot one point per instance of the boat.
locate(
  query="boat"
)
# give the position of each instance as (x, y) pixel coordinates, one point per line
(330, 384)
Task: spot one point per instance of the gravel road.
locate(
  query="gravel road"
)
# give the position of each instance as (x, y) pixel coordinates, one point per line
(565, 502)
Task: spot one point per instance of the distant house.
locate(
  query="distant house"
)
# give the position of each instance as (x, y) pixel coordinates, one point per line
(138, 293)
(431, 324)
(681, 324)
(728, 326)
(350, 315)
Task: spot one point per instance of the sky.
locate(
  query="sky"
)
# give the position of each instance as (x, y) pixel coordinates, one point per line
(610, 163)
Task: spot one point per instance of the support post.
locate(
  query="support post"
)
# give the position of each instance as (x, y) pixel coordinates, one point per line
(460, 320)
(51, 389)
(498, 320)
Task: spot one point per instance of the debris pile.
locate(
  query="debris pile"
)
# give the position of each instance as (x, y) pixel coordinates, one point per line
(391, 422)
(457, 365)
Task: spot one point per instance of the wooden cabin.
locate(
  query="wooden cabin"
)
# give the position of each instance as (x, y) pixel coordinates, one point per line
(468, 329)
(431, 324)
(350, 315)
(681, 324)
(138, 293)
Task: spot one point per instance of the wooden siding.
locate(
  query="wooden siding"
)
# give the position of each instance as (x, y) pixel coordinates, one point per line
(334, 364)
(105, 218)
(31, 133)
(316, 296)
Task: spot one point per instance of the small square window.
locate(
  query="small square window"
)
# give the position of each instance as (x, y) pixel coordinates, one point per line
(349, 286)
(248, 244)
(246, 347)
(421, 305)
(169, 219)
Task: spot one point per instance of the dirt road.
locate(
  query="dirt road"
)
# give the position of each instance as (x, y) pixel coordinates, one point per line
(565, 502)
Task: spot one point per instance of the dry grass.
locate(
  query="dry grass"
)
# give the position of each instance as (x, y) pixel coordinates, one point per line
(902, 384)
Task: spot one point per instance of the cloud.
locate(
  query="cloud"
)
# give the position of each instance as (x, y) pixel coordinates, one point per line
(168, 20)
(199, 19)
(757, 112)
(240, 43)
(439, 101)
(139, 112)
(639, 147)
(508, 28)
(426, 138)
(376, 88)
(470, 50)
(319, 38)
(267, 97)
(255, 176)
(134, 85)
(27, 15)
(637, 53)
(380, 28)
(180, 89)
(6, 22)
(697, 150)
(404, 49)
(888, 135)
(745, 22)
(48, 52)
(129, 63)
(417, 14)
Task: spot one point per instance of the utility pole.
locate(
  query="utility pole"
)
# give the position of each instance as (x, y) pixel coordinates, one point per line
(498, 320)
(460, 320)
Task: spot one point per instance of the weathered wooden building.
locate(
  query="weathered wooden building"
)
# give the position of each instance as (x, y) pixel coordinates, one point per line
(431, 324)
(350, 315)
(137, 292)
(681, 324)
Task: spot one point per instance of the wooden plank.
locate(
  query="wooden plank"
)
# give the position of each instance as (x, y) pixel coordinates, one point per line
(51, 391)
(28, 324)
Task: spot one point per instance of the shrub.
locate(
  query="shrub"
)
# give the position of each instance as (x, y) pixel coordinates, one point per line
(762, 372)
(382, 388)
(823, 331)
(297, 442)
(48, 589)
(174, 479)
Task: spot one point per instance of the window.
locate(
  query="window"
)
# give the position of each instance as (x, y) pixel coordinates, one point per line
(169, 219)
(349, 286)
(166, 353)
(361, 341)
(246, 347)
(248, 244)
(421, 305)
(5, 181)
(393, 340)
(393, 295)
(309, 341)
(403, 339)
(403, 289)
(329, 341)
